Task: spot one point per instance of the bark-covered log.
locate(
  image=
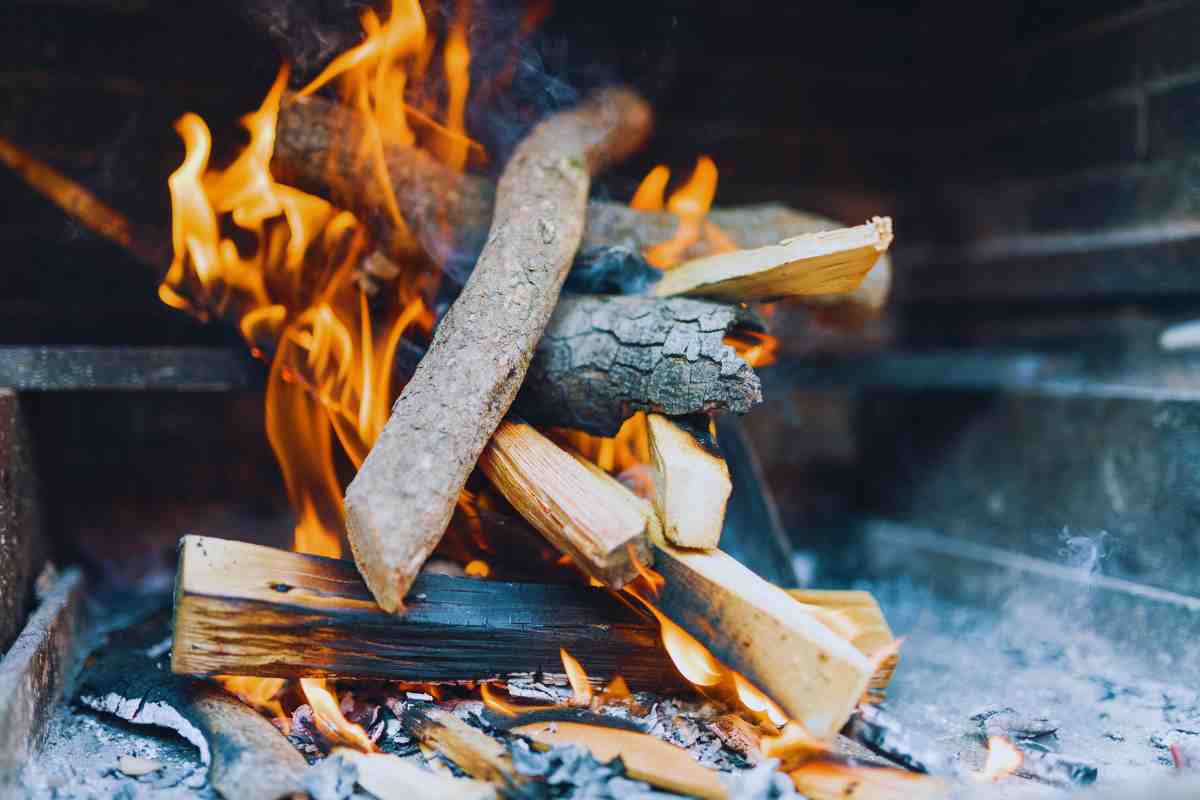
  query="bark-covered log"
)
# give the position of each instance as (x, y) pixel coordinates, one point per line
(315, 146)
(245, 609)
(399, 503)
(602, 359)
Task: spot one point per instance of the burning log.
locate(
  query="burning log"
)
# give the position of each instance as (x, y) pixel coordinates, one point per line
(399, 503)
(600, 360)
(580, 509)
(246, 756)
(757, 629)
(830, 262)
(645, 757)
(316, 148)
(858, 616)
(470, 749)
(389, 777)
(244, 609)
(692, 484)
(831, 777)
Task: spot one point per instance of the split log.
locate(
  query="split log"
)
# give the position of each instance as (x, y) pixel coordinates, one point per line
(243, 609)
(468, 748)
(859, 618)
(315, 149)
(600, 360)
(581, 510)
(825, 263)
(400, 502)
(815, 675)
(831, 777)
(645, 757)
(247, 756)
(692, 483)
(390, 777)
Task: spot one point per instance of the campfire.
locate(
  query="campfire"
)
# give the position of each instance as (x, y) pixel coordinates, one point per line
(495, 395)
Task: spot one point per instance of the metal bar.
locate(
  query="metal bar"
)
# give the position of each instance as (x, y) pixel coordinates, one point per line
(184, 369)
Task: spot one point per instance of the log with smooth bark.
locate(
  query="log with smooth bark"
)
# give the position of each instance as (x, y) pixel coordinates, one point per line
(317, 147)
(399, 503)
(245, 609)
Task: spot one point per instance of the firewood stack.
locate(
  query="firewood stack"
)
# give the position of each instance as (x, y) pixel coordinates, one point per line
(511, 364)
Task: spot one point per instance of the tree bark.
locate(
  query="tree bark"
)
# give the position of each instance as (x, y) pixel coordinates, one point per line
(602, 359)
(399, 504)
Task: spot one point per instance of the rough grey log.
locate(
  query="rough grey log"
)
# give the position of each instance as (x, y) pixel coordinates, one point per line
(604, 358)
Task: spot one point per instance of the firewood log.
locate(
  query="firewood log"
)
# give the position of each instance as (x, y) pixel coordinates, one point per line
(399, 503)
(315, 149)
(581, 510)
(810, 264)
(390, 777)
(815, 674)
(645, 757)
(245, 609)
(468, 748)
(692, 483)
(866, 627)
(757, 629)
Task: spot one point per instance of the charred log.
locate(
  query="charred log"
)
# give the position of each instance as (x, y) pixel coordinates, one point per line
(250, 610)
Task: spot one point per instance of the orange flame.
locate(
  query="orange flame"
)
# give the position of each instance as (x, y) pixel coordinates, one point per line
(1003, 759)
(700, 667)
(282, 262)
(328, 716)
(261, 693)
(580, 686)
(690, 203)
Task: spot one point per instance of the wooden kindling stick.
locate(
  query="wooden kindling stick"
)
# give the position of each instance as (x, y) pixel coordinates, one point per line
(816, 675)
(401, 500)
(692, 484)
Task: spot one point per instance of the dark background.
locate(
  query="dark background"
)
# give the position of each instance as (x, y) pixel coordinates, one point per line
(1040, 164)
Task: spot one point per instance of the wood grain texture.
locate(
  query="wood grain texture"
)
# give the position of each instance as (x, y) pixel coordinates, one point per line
(757, 629)
(865, 627)
(692, 485)
(399, 503)
(250, 610)
(390, 777)
(602, 359)
(315, 149)
(34, 673)
(830, 262)
(582, 511)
